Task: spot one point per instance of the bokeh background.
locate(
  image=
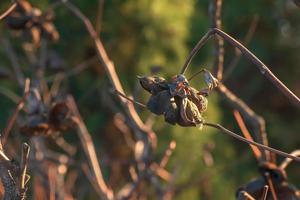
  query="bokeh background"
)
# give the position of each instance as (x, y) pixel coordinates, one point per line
(146, 37)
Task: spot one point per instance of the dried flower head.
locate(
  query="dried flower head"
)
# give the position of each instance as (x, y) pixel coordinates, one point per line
(175, 99)
(44, 119)
(33, 22)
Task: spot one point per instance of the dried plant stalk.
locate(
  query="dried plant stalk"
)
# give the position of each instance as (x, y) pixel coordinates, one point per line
(250, 56)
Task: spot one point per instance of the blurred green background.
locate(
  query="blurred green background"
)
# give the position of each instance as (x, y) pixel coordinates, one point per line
(142, 36)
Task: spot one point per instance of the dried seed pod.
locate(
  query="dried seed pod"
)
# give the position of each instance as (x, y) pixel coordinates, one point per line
(153, 84)
(32, 20)
(48, 120)
(179, 103)
(60, 117)
(278, 177)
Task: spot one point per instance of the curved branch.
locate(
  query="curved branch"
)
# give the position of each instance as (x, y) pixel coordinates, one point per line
(250, 56)
(287, 161)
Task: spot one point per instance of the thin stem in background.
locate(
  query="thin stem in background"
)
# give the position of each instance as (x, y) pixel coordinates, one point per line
(271, 185)
(14, 61)
(99, 16)
(246, 134)
(89, 149)
(258, 123)
(138, 125)
(261, 146)
(215, 8)
(264, 70)
(12, 120)
(237, 57)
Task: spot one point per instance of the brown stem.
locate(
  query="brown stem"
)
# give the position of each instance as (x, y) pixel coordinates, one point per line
(271, 185)
(245, 195)
(198, 46)
(246, 134)
(261, 146)
(138, 124)
(265, 193)
(250, 56)
(89, 149)
(264, 70)
(8, 11)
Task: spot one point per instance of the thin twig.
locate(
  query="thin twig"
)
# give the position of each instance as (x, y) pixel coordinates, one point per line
(13, 118)
(89, 149)
(76, 70)
(14, 61)
(287, 161)
(237, 56)
(250, 56)
(261, 146)
(168, 154)
(8, 11)
(129, 99)
(24, 165)
(265, 193)
(245, 195)
(99, 16)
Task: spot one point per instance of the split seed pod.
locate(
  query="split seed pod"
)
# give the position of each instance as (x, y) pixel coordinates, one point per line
(179, 102)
